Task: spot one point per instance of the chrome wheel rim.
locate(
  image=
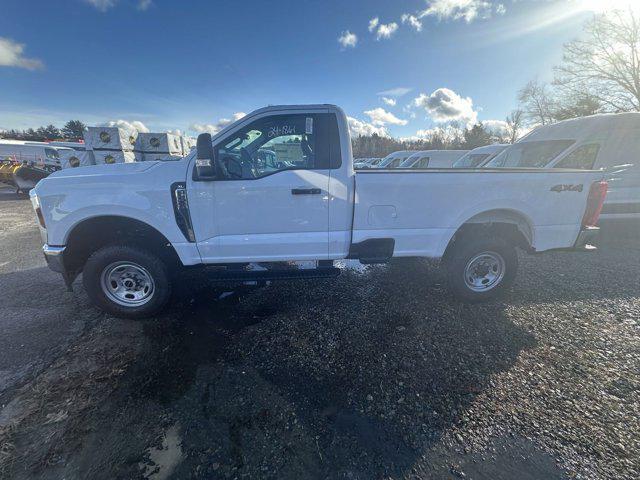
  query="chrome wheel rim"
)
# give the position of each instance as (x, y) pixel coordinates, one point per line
(484, 272)
(127, 284)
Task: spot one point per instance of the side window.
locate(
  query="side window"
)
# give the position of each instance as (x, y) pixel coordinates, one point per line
(423, 162)
(280, 142)
(582, 158)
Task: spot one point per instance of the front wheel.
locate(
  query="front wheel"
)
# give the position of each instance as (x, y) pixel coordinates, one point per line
(481, 269)
(126, 282)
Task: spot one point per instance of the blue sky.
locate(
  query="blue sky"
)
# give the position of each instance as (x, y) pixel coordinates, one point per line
(191, 65)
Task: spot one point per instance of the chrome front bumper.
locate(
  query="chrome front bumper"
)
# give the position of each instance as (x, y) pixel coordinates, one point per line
(55, 258)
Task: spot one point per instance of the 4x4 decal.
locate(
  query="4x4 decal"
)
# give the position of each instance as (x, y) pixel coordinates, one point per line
(567, 188)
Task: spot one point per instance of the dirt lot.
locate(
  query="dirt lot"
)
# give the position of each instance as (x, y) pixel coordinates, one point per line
(378, 374)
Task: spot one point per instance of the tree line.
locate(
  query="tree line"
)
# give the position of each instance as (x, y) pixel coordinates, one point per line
(72, 131)
(454, 138)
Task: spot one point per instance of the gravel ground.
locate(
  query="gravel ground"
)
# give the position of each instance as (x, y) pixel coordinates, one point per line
(378, 374)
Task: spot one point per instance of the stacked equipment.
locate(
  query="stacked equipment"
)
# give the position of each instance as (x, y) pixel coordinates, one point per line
(76, 158)
(158, 146)
(110, 144)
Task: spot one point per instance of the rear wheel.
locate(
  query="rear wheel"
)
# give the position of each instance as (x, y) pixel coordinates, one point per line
(127, 282)
(481, 269)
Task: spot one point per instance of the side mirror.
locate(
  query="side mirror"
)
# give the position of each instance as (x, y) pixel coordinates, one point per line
(205, 165)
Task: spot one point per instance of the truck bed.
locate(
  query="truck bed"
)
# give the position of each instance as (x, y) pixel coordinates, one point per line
(422, 209)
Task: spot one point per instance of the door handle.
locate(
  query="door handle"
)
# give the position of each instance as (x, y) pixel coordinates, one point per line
(306, 191)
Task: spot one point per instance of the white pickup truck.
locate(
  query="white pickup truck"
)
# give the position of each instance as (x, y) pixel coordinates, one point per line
(129, 227)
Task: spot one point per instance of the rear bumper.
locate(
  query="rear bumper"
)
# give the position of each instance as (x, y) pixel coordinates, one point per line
(586, 238)
(55, 258)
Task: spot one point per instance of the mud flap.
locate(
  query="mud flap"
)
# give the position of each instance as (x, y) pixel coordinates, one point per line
(69, 278)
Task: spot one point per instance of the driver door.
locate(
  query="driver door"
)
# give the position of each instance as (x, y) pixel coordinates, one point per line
(272, 204)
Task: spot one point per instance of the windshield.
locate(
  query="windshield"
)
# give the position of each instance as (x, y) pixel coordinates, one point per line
(51, 153)
(471, 160)
(387, 160)
(530, 154)
(415, 161)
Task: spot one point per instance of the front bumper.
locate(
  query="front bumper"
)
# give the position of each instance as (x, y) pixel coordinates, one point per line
(586, 238)
(55, 258)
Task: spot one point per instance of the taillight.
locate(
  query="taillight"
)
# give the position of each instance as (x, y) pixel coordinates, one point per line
(595, 201)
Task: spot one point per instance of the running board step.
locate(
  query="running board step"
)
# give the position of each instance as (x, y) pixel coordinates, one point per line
(329, 272)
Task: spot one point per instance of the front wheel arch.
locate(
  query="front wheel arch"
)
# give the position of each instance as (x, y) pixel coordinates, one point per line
(95, 233)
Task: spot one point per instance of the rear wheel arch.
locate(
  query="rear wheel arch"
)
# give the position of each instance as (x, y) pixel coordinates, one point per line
(92, 234)
(511, 226)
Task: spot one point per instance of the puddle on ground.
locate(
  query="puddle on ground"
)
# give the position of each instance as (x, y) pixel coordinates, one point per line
(164, 459)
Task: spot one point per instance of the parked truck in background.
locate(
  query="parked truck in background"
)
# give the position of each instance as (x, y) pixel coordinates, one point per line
(129, 227)
(432, 159)
(609, 142)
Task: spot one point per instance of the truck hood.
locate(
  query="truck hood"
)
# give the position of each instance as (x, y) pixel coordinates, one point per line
(93, 170)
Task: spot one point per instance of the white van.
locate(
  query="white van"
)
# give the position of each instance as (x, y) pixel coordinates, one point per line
(36, 153)
(393, 160)
(433, 159)
(77, 146)
(479, 156)
(595, 142)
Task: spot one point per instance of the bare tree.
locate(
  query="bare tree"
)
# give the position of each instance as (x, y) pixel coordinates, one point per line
(605, 63)
(537, 103)
(515, 122)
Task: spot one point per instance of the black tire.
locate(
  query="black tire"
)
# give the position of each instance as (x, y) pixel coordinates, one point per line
(105, 258)
(468, 249)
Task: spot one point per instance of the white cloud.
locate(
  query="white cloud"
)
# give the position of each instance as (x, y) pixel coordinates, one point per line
(348, 39)
(501, 9)
(445, 105)
(11, 55)
(448, 134)
(380, 117)
(219, 125)
(143, 5)
(389, 101)
(101, 5)
(134, 126)
(175, 131)
(358, 128)
(412, 21)
(467, 10)
(373, 23)
(496, 127)
(386, 30)
(395, 92)
(104, 5)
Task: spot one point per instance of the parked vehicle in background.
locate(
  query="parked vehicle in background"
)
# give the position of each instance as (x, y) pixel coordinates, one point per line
(596, 142)
(393, 160)
(368, 163)
(479, 156)
(39, 154)
(129, 227)
(359, 162)
(432, 159)
(77, 146)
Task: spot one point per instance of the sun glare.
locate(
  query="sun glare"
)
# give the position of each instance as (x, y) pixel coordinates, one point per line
(603, 6)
